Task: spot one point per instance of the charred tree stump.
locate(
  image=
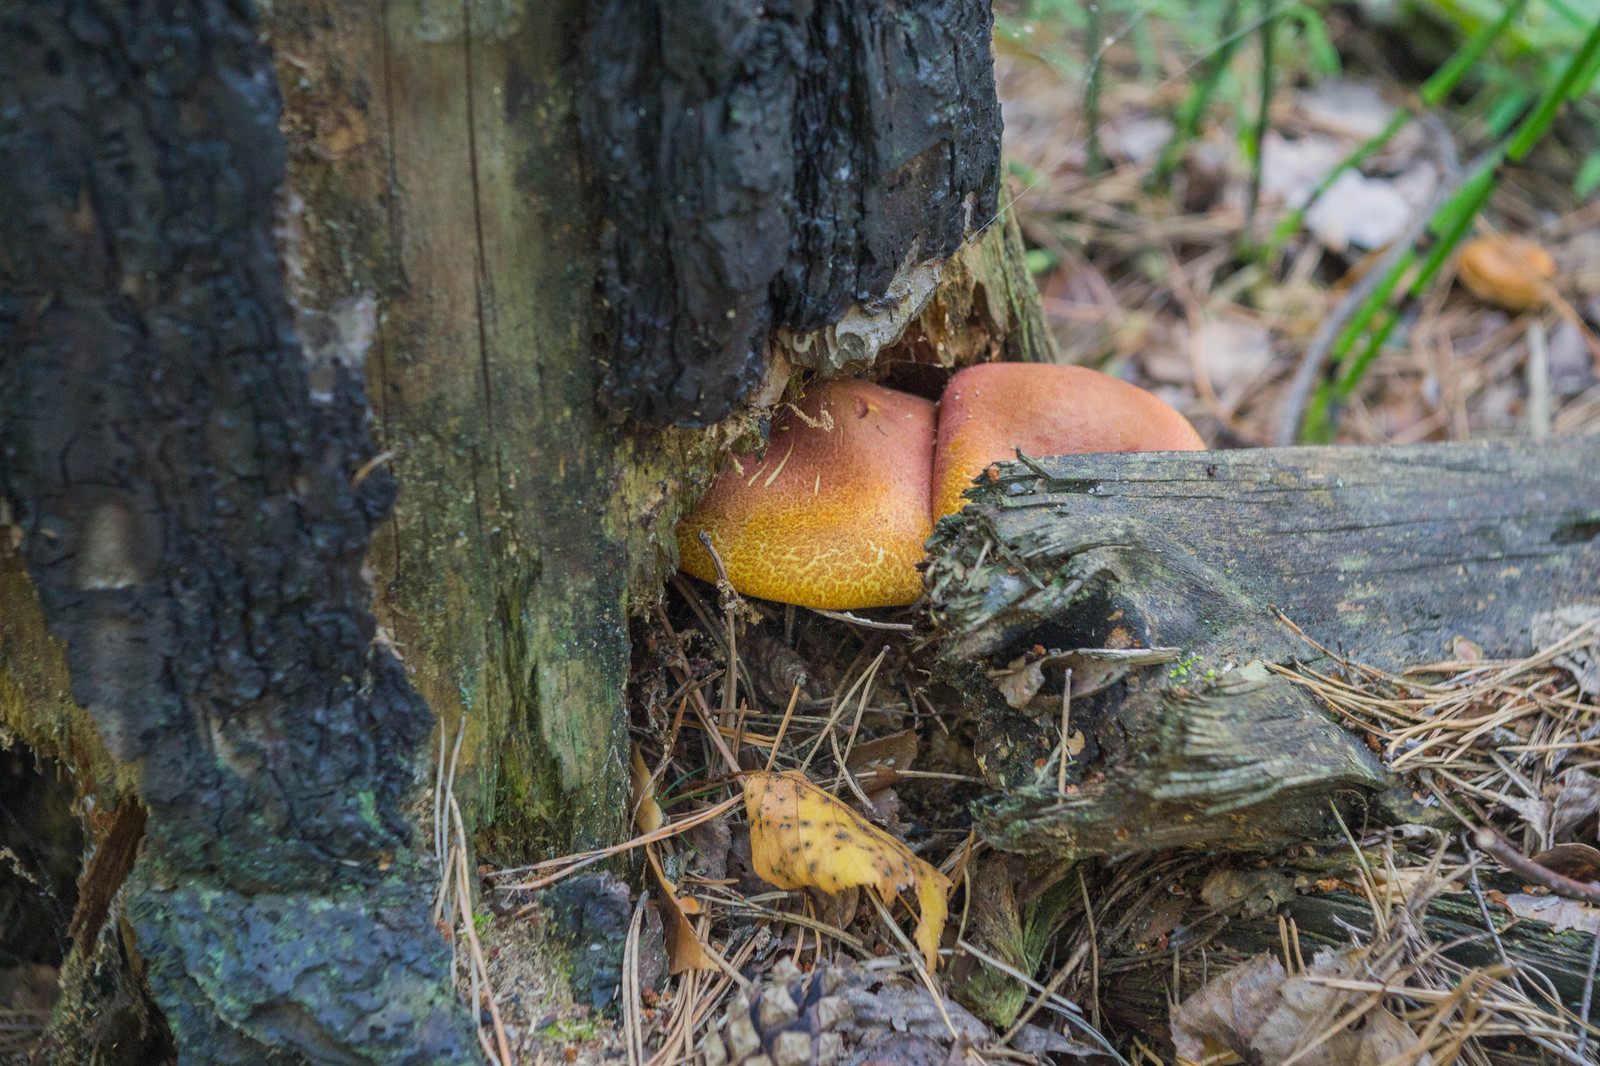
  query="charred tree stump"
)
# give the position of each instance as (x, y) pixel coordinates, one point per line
(1384, 553)
(355, 361)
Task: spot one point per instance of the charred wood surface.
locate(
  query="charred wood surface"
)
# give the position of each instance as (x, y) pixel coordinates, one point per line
(1385, 554)
(188, 510)
(772, 166)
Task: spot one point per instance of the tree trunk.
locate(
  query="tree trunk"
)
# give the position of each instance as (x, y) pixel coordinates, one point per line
(261, 270)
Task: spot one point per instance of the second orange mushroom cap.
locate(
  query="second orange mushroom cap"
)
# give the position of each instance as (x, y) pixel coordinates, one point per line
(989, 411)
(836, 513)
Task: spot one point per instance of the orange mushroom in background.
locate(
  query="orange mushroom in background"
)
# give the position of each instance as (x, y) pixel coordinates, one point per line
(836, 514)
(1509, 272)
(989, 411)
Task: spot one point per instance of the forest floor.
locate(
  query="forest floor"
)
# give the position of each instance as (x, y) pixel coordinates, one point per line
(1161, 286)
(1356, 949)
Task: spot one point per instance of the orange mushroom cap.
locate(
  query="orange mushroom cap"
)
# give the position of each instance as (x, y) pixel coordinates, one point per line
(835, 514)
(989, 411)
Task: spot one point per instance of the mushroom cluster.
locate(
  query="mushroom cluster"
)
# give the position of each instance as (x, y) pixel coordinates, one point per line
(855, 475)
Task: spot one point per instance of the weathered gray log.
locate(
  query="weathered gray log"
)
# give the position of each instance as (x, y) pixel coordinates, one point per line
(1385, 553)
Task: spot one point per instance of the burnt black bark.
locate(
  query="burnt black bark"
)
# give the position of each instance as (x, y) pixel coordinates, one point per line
(194, 527)
(769, 165)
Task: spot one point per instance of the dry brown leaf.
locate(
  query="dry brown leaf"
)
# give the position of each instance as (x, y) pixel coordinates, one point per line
(1576, 805)
(1262, 1014)
(684, 950)
(1561, 913)
(647, 813)
(1577, 861)
(877, 764)
(800, 836)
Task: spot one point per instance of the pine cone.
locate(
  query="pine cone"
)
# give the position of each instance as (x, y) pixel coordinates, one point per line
(837, 1015)
(792, 1020)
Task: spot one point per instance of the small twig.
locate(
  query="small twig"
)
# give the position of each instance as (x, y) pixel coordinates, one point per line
(1538, 375)
(794, 697)
(480, 967)
(1066, 729)
(833, 715)
(1094, 951)
(1489, 841)
(861, 707)
(865, 623)
(1055, 1000)
(1588, 996)
(369, 466)
(730, 686)
(589, 858)
(632, 1009)
(814, 924)
(1049, 990)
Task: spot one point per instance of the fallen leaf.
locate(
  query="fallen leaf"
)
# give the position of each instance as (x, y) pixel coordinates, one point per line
(1561, 913)
(1571, 366)
(710, 843)
(1262, 1014)
(684, 950)
(1137, 138)
(1093, 669)
(1362, 211)
(1254, 892)
(1292, 169)
(1576, 803)
(800, 836)
(1235, 350)
(877, 764)
(647, 813)
(1577, 861)
(1354, 109)
(1021, 683)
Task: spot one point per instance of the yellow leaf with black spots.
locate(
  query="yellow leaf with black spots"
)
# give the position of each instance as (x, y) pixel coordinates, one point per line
(802, 837)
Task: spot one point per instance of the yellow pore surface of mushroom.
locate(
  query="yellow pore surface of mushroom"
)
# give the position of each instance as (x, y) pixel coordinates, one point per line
(989, 411)
(1506, 271)
(836, 512)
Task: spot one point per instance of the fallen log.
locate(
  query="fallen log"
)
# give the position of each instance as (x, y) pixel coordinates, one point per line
(1385, 554)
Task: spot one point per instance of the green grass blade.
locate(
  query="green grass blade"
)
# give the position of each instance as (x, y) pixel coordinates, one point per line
(1450, 224)
(1544, 113)
(1437, 87)
(1258, 135)
(1187, 123)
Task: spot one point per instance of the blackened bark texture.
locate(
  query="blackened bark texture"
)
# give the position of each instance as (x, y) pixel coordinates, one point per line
(1385, 554)
(192, 522)
(769, 166)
